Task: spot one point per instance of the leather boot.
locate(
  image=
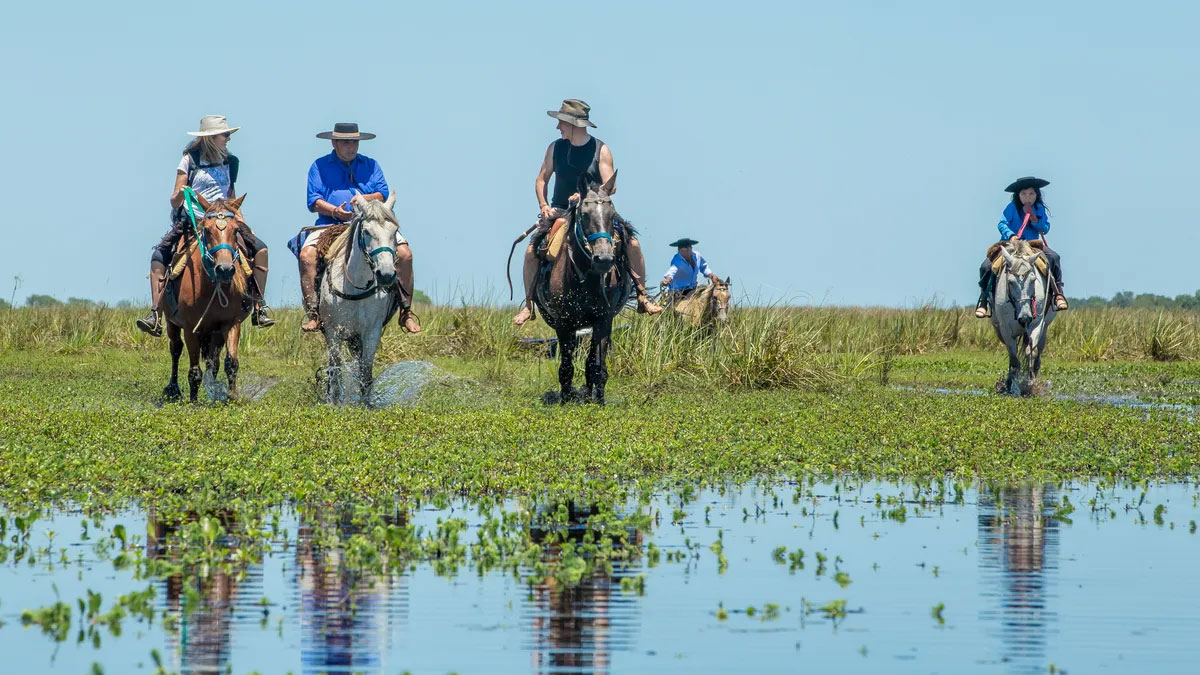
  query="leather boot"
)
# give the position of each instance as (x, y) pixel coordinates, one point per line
(261, 316)
(152, 322)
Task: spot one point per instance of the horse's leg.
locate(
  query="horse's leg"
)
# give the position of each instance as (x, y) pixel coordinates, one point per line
(333, 374)
(355, 345)
(366, 363)
(171, 392)
(1014, 364)
(566, 364)
(231, 356)
(194, 375)
(597, 368)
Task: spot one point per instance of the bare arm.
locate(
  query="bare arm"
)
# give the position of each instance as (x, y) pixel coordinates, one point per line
(606, 167)
(177, 194)
(543, 179)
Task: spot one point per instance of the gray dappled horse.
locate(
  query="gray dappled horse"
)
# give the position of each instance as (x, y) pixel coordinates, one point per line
(356, 298)
(586, 287)
(1022, 311)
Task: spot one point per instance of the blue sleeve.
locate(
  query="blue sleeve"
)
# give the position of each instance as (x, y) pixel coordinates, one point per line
(377, 182)
(704, 268)
(674, 268)
(1005, 226)
(316, 186)
(1043, 223)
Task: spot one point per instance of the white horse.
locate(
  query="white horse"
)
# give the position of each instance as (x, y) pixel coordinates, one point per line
(1022, 311)
(357, 294)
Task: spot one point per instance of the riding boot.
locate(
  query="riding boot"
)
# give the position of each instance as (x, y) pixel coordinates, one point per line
(645, 305)
(405, 317)
(981, 307)
(308, 294)
(261, 316)
(1060, 300)
(152, 322)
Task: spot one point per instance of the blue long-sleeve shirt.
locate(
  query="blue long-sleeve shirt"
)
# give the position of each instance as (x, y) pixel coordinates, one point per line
(685, 274)
(330, 178)
(1011, 223)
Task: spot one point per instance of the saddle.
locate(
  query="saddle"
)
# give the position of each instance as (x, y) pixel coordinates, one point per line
(993, 254)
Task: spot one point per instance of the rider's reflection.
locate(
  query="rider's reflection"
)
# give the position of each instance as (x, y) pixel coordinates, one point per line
(1018, 545)
(345, 610)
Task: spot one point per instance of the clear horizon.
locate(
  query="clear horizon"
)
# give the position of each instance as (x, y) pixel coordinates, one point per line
(850, 155)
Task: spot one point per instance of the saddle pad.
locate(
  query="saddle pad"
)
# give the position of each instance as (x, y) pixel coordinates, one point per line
(556, 243)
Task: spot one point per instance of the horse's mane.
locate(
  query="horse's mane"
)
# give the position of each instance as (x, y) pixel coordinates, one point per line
(372, 210)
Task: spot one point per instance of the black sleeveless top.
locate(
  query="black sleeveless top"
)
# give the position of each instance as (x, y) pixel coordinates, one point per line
(570, 162)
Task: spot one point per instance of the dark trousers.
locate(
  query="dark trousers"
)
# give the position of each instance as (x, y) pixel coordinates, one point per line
(985, 271)
(164, 249)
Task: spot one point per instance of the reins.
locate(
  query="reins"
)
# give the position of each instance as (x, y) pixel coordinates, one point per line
(359, 241)
(206, 254)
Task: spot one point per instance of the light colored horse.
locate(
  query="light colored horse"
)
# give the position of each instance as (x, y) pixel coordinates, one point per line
(1022, 311)
(357, 295)
(708, 306)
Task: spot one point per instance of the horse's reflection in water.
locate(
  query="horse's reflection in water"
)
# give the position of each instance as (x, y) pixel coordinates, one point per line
(346, 613)
(202, 640)
(1018, 545)
(576, 628)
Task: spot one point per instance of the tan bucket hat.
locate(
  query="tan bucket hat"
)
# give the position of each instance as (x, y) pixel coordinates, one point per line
(573, 111)
(213, 125)
(345, 131)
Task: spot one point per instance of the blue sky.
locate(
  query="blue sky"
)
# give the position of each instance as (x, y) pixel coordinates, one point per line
(840, 153)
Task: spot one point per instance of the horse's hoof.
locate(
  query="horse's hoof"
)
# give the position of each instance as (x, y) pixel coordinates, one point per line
(171, 393)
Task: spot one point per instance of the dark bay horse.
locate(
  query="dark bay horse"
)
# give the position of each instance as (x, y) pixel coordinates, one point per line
(206, 304)
(586, 286)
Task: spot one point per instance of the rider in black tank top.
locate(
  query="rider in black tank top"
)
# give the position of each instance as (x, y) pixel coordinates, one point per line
(571, 161)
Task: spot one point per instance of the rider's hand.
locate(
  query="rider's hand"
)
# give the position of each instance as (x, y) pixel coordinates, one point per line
(573, 199)
(546, 210)
(358, 199)
(1013, 238)
(665, 282)
(342, 214)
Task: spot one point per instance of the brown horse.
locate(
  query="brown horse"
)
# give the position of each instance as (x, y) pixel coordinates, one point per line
(207, 303)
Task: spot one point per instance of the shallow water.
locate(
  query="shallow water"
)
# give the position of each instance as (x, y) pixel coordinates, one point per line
(1023, 584)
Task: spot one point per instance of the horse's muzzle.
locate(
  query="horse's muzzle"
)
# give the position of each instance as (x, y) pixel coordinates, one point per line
(1025, 320)
(223, 272)
(603, 262)
(384, 279)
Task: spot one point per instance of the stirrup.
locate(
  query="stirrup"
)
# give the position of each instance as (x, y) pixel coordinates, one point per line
(259, 317)
(153, 326)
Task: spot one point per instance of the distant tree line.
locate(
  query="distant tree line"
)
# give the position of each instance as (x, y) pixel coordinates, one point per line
(1140, 301)
(37, 300)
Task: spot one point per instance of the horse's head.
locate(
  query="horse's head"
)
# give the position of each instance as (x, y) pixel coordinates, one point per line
(720, 300)
(1026, 285)
(375, 234)
(220, 225)
(595, 222)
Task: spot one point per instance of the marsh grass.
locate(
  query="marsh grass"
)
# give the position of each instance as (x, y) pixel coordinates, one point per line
(762, 346)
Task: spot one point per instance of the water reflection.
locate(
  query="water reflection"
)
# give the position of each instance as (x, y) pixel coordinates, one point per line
(202, 603)
(1018, 547)
(575, 629)
(346, 613)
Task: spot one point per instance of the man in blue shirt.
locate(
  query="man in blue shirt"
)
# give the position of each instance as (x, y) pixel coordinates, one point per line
(686, 268)
(335, 181)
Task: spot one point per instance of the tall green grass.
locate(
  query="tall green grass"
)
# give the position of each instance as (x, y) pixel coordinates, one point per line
(762, 347)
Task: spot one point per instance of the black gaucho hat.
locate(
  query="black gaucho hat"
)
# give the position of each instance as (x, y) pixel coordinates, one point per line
(686, 241)
(1026, 182)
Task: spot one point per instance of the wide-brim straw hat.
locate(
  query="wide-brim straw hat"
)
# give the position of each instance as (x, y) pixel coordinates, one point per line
(213, 125)
(686, 241)
(345, 131)
(1026, 182)
(573, 111)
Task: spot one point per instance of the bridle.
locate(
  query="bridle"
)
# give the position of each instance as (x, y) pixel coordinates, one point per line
(360, 240)
(208, 255)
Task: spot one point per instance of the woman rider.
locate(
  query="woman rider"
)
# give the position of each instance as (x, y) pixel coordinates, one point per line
(1026, 200)
(209, 169)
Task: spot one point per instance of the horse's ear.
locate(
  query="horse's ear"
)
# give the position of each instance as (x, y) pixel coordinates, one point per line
(390, 202)
(202, 201)
(581, 185)
(610, 184)
(236, 204)
(728, 280)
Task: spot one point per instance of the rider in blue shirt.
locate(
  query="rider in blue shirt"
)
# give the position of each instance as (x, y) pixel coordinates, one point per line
(1026, 198)
(686, 268)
